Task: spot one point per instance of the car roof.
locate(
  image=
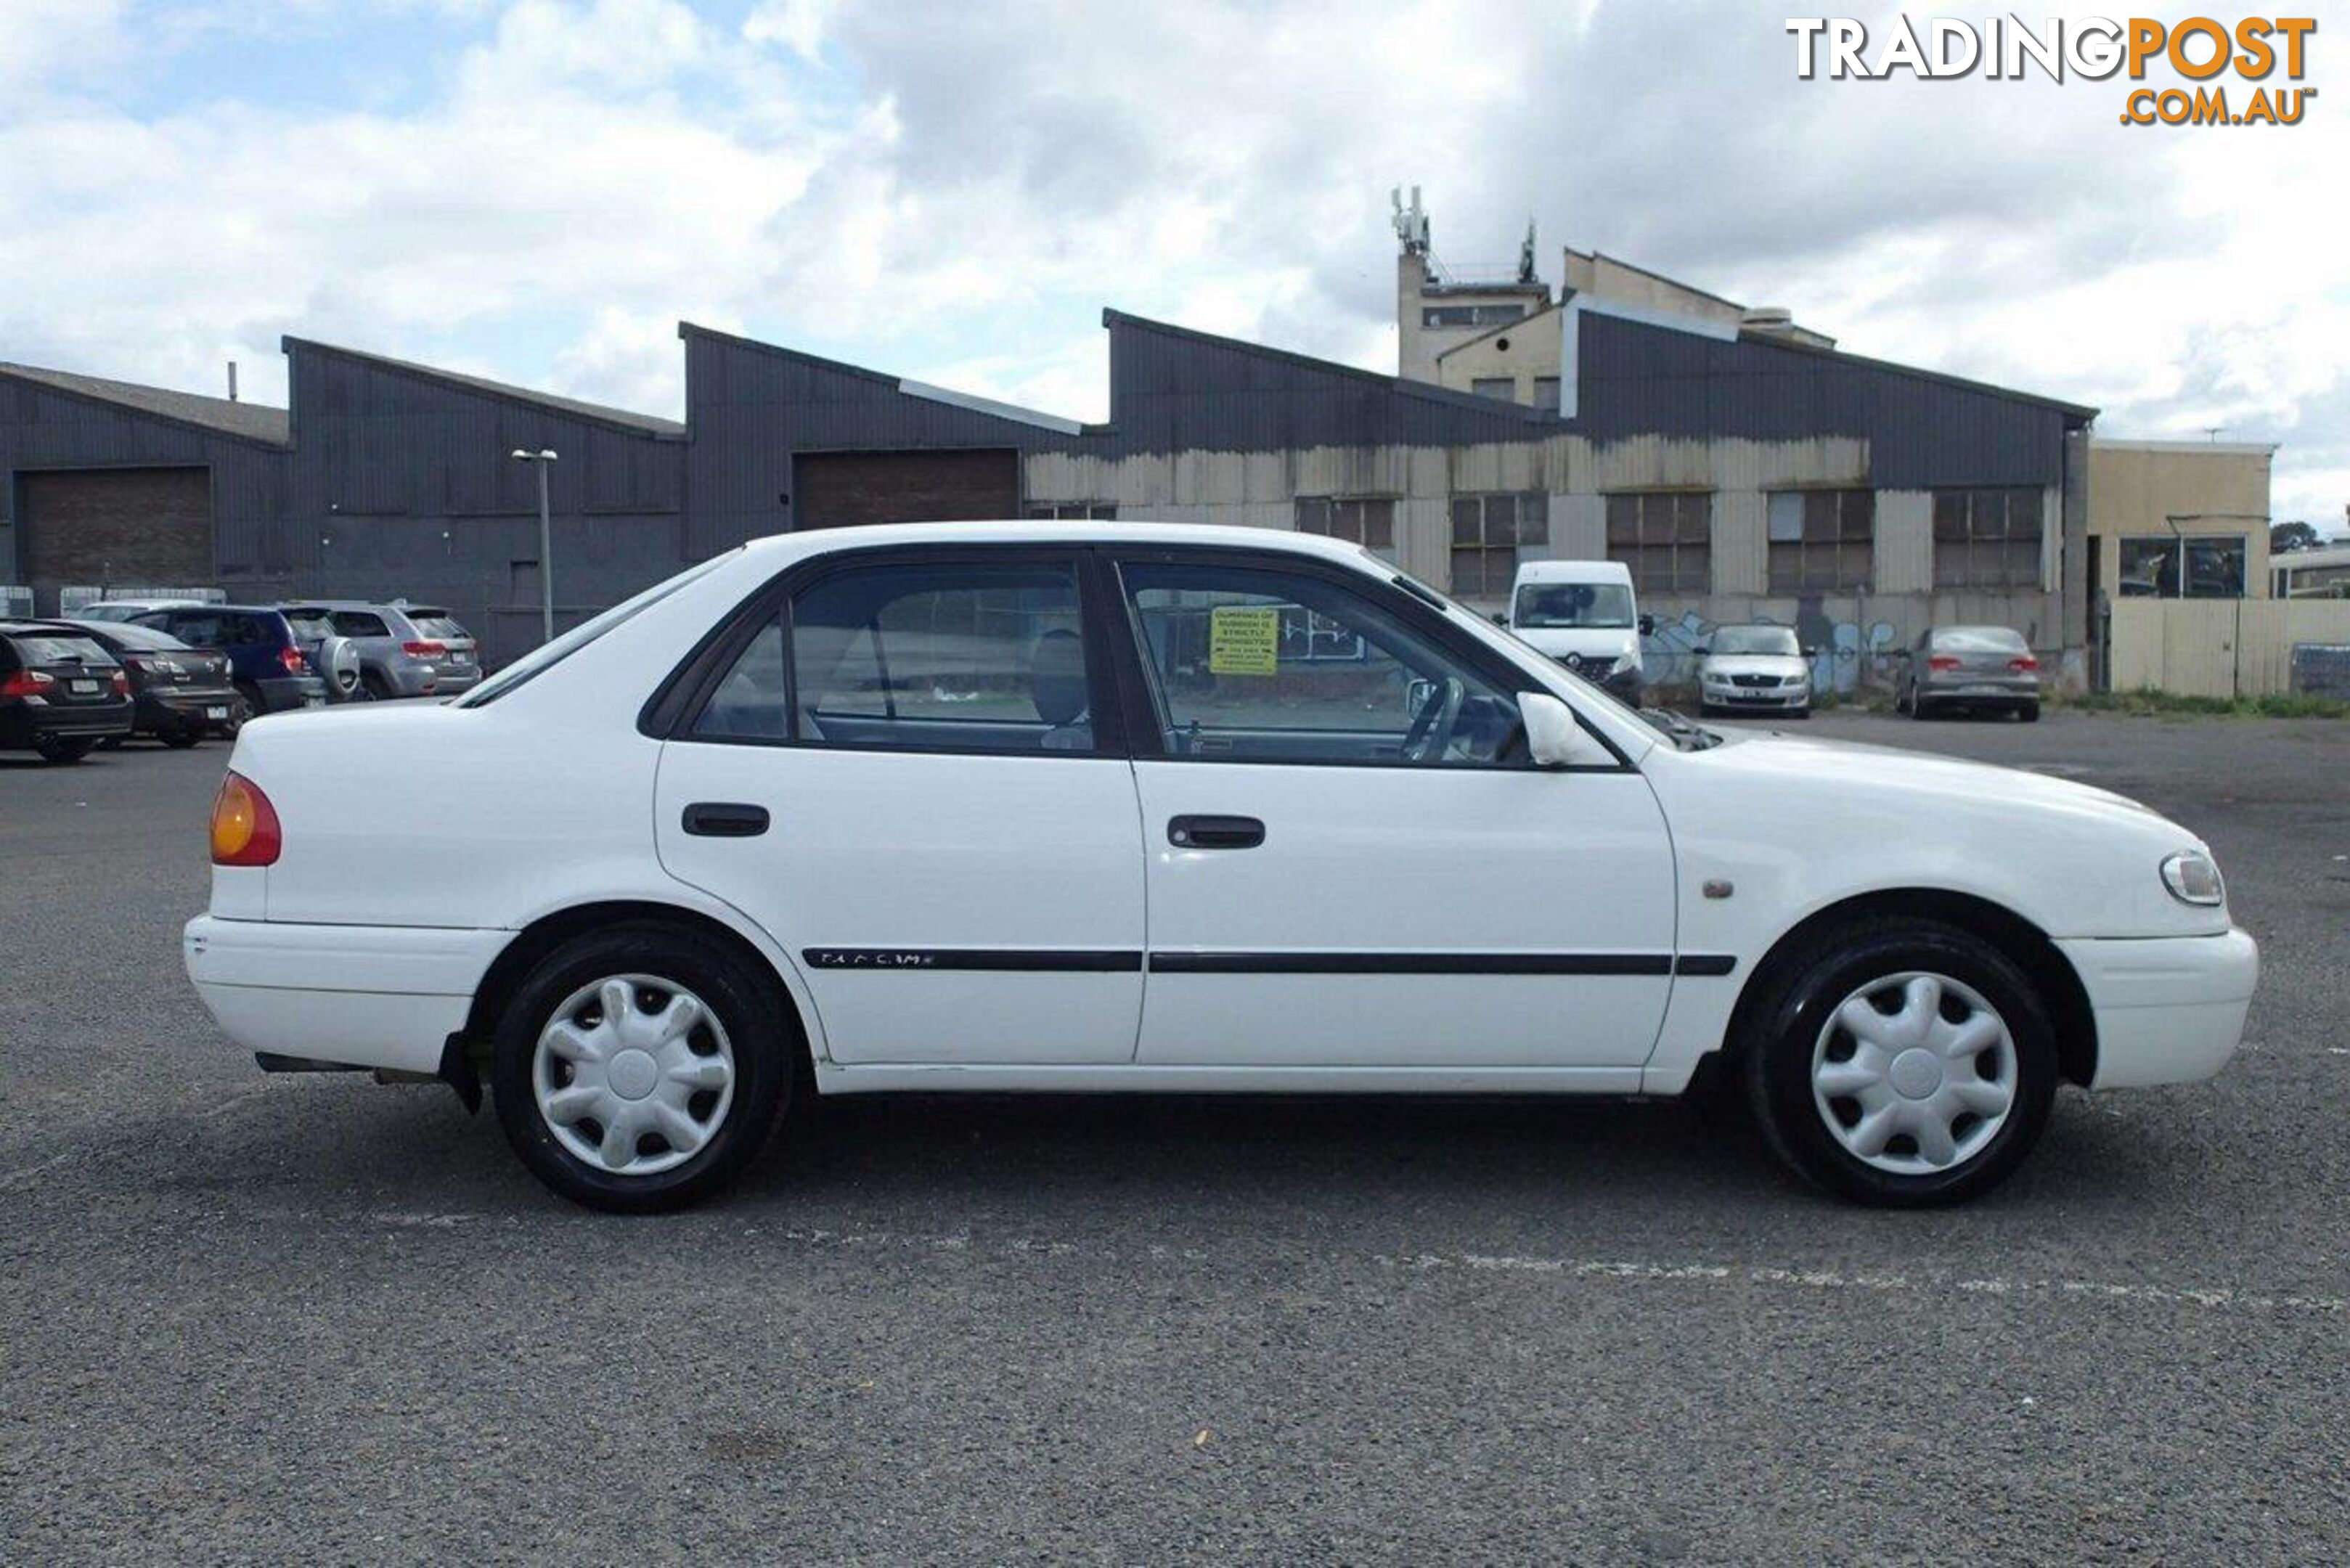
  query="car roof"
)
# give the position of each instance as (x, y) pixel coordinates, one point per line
(1044, 531)
(1574, 571)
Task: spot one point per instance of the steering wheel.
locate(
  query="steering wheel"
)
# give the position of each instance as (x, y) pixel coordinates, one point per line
(1432, 726)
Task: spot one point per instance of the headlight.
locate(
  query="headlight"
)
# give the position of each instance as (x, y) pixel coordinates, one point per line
(2193, 878)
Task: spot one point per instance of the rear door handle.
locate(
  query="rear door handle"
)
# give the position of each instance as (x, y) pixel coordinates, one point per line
(725, 819)
(1215, 832)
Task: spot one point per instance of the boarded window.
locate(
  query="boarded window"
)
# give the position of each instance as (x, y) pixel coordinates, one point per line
(1504, 388)
(1451, 315)
(1987, 538)
(1488, 531)
(1665, 536)
(1822, 540)
(1367, 519)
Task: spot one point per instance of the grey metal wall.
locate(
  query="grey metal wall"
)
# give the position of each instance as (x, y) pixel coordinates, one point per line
(1923, 431)
(396, 480)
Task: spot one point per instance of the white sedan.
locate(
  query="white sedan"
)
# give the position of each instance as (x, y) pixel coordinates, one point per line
(1145, 807)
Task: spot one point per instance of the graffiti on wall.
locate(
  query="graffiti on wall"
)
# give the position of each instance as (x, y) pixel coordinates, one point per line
(1845, 654)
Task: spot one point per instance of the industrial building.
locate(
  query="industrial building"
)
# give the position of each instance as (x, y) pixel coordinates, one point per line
(1743, 469)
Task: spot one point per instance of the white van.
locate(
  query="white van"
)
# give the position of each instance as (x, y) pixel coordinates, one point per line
(1583, 614)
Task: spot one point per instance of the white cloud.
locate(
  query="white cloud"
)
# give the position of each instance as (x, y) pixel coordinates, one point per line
(947, 188)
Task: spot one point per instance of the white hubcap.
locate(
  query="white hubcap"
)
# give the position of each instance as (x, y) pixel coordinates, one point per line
(633, 1074)
(1914, 1073)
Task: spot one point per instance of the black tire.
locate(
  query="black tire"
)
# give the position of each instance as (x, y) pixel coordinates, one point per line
(58, 750)
(252, 695)
(1778, 1057)
(749, 1005)
(1920, 707)
(2028, 713)
(373, 688)
(1800, 713)
(180, 737)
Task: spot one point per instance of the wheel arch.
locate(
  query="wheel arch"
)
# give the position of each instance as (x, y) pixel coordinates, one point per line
(2052, 975)
(550, 931)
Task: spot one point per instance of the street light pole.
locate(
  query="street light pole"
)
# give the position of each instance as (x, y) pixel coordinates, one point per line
(540, 460)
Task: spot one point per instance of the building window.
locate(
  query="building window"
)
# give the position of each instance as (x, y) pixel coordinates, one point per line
(1546, 396)
(1987, 538)
(1471, 315)
(1367, 521)
(1080, 510)
(1665, 536)
(1822, 540)
(1505, 387)
(2214, 567)
(1488, 531)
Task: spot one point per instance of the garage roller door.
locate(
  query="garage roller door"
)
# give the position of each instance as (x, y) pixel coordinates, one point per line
(118, 526)
(845, 489)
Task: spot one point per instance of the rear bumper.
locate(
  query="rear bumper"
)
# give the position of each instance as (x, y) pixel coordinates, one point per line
(407, 677)
(2169, 1010)
(182, 707)
(363, 996)
(280, 692)
(23, 721)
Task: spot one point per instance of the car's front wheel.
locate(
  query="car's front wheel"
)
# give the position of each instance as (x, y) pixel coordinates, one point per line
(65, 748)
(643, 1067)
(1903, 1063)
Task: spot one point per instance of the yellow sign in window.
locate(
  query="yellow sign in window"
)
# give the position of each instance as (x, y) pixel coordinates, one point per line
(1243, 640)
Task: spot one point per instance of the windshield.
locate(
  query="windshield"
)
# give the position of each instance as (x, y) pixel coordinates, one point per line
(1755, 639)
(549, 655)
(1546, 606)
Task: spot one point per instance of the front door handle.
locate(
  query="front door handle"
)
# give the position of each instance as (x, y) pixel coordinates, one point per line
(725, 819)
(1215, 832)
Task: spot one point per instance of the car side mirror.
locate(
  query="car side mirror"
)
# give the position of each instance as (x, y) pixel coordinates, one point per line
(1703, 650)
(1647, 626)
(1811, 653)
(1553, 737)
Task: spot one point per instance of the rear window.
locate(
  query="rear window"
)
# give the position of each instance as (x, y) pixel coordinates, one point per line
(438, 623)
(133, 636)
(1978, 640)
(546, 656)
(39, 650)
(308, 626)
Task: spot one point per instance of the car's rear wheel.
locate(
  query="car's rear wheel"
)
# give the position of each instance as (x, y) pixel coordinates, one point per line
(643, 1067)
(65, 748)
(2028, 713)
(180, 737)
(1905, 1063)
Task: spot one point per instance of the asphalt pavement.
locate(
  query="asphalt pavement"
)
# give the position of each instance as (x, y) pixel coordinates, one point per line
(247, 1318)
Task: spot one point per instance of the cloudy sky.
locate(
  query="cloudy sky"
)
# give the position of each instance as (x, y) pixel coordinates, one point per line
(539, 190)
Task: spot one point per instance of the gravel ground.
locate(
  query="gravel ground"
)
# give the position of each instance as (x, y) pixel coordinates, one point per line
(264, 1318)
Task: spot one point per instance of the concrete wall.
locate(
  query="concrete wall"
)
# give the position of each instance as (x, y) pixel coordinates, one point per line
(2218, 648)
(1854, 630)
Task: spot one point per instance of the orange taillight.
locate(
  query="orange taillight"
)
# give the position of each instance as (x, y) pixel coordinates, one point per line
(244, 825)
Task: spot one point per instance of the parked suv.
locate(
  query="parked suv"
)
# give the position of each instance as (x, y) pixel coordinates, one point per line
(182, 693)
(60, 692)
(268, 662)
(404, 651)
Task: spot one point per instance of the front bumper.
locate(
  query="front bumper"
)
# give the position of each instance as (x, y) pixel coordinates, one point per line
(2169, 1010)
(364, 996)
(1760, 699)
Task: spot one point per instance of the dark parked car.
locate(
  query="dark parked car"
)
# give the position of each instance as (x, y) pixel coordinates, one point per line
(183, 693)
(267, 663)
(60, 692)
(1973, 668)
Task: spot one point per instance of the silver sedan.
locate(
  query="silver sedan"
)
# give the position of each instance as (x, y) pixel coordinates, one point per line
(1971, 668)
